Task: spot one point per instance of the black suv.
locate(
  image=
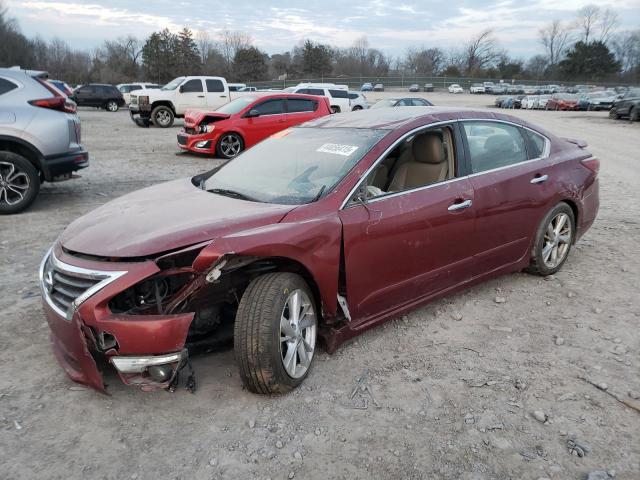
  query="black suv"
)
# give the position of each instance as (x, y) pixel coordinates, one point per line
(98, 95)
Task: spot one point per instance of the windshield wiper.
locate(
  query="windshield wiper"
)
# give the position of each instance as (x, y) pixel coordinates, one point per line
(232, 194)
(319, 194)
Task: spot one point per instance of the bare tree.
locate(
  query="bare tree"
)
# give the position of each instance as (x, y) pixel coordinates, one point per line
(588, 19)
(205, 45)
(626, 46)
(480, 52)
(607, 24)
(230, 43)
(555, 37)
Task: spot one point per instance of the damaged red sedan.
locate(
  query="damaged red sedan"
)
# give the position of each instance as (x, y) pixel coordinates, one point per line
(242, 123)
(344, 222)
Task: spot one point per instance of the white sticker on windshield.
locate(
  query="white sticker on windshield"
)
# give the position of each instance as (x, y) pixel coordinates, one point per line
(337, 149)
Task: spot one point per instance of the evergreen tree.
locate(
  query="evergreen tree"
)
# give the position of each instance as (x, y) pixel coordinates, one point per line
(250, 64)
(589, 61)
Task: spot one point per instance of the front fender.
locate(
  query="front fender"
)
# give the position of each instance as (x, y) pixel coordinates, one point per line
(315, 244)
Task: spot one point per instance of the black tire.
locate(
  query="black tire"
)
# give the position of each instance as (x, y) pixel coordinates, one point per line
(162, 116)
(356, 108)
(112, 106)
(18, 178)
(335, 109)
(257, 347)
(230, 145)
(613, 113)
(537, 264)
(634, 114)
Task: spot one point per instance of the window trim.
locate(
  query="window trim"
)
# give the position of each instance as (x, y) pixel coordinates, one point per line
(470, 173)
(462, 157)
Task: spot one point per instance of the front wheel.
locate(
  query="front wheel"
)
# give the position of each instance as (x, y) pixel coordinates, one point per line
(19, 183)
(553, 240)
(230, 145)
(112, 106)
(356, 108)
(162, 116)
(613, 113)
(275, 333)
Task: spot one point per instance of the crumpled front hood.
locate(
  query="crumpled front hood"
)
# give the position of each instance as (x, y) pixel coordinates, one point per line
(162, 218)
(194, 117)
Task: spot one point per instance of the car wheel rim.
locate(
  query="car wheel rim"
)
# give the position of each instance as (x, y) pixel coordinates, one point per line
(163, 117)
(298, 327)
(14, 184)
(230, 145)
(112, 106)
(557, 240)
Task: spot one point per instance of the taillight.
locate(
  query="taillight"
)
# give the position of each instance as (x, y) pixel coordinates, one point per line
(55, 103)
(58, 102)
(592, 164)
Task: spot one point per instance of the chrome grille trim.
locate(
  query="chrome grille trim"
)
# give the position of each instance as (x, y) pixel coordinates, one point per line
(65, 287)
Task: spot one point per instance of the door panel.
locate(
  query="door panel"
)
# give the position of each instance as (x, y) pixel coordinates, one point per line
(404, 247)
(192, 95)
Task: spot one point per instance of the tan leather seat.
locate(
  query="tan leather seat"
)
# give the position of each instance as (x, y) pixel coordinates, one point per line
(428, 165)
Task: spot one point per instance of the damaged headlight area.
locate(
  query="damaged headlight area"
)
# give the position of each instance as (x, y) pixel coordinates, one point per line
(151, 296)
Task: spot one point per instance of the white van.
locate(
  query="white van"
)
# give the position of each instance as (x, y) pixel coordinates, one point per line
(338, 95)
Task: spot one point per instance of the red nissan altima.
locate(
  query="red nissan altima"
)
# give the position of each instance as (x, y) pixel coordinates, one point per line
(344, 222)
(246, 121)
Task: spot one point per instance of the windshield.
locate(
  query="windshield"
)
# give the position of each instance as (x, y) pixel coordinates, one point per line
(237, 105)
(385, 103)
(295, 166)
(173, 84)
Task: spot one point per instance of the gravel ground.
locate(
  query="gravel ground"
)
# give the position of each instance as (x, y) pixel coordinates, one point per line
(469, 387)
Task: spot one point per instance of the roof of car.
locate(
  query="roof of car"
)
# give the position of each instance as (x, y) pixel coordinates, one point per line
(393, 118)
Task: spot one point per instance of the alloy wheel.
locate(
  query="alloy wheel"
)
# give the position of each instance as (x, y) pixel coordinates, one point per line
(298, 327)
(557, 240)
(230, 145)
(14, 184)
(112, 106)
(163, 118)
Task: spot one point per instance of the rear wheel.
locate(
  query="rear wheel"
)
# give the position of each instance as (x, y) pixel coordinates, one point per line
(162, 116)
(19, 183)
(112, 106)
(230, 145)
(634, 114)
(335, 109)
(357, 107)
(553, 240)
(275, 333)
(613, 113)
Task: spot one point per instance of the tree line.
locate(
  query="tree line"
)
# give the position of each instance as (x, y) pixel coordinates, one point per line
(585, 49)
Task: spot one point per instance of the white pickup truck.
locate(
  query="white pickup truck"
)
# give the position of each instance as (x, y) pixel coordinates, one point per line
(162, 106)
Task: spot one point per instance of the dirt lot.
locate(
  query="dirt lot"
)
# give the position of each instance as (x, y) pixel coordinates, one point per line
(452, 386)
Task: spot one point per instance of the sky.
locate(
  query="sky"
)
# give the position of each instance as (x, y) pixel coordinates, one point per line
(277, 26)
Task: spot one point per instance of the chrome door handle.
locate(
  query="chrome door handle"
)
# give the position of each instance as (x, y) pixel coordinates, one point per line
(459, 206)
(540, 179)
(200, 96)
(223, 96)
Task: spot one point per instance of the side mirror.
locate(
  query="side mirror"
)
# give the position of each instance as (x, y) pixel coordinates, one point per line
(181, 89)
(253, 113)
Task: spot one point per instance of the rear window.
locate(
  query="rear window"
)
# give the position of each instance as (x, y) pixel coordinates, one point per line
(301, 105)
(215, 85)
(312, 91)
(339, 93)
(6, 86)
(535, 144)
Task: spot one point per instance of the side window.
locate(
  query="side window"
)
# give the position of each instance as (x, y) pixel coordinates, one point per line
(353, 96)
(214, 85)
(302, 90)
(315, 91)
(493, 145)
(339, 93)
(192, 86)
(6, 86)
(422, 159)
(536, 144)
(419, 103)
(295, 105)
(270, 107)
(403, 103)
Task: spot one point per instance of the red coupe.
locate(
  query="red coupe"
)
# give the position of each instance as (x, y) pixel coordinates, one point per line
(320, 232)
(563, 101)
(246, 121)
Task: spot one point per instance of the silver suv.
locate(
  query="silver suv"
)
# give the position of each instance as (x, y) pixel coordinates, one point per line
(39, 137)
